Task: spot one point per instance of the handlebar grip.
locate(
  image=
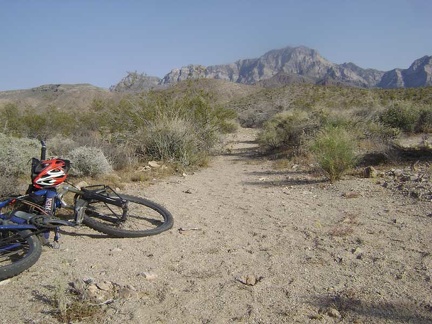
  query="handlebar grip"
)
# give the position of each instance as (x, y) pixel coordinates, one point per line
(43, 150)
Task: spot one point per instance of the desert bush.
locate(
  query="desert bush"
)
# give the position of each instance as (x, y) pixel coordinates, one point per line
(8, 185)
(16, 154)
(15, 157)
(183, 129)
(10, 119)
(424, 123)
(288, 130)
(28, 123)
(334, 150)
(402, 115)
(89, 161)
(60, 146)
(121, 156)
(173, 140)
(72, 304)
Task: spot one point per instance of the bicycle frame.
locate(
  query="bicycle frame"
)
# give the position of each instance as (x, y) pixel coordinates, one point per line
(88, 194)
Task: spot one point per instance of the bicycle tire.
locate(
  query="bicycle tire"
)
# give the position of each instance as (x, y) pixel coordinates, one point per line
(144, 218)
(19, 250)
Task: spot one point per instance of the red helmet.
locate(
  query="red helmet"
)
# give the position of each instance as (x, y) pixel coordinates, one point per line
(49, 173)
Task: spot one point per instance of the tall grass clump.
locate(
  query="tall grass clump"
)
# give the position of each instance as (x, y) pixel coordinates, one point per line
(89, 161)
(334, 149)
(173, 140)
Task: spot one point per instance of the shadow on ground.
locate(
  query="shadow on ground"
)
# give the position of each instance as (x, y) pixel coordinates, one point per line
(352, 308)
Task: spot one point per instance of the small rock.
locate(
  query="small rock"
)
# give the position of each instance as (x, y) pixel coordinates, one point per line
(250, 280)
(356, 250)
(92, 290)
(5, 282)
(351, 194)
(97, 294)
(154, 164)
(105, 285)
(81, 184)
(148, 275)
(397, 172)
(127, 292)
(332, 312)
(370, 172)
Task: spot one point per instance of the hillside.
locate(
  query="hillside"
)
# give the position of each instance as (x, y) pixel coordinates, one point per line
(61, 96)
(69, 97)
(221, 91)
(253, 103)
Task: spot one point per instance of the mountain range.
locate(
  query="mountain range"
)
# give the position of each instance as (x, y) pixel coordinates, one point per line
(288, 65)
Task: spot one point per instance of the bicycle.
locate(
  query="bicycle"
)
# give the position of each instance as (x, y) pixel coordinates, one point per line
(31, 217)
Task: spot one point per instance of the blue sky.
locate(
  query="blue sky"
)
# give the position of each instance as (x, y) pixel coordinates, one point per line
(99, 41)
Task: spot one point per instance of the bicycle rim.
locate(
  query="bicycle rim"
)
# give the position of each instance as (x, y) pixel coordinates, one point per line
(19, 250)
(144, 218)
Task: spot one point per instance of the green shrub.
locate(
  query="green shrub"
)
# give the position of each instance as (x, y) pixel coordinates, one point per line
(89, 161)
(181, 129)
(334, 150)
(10, 118)
(424, 123)
(30, 123)
(288, 130)
(402, 115)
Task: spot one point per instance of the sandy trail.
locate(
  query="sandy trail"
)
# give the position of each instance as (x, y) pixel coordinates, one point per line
(251, 244)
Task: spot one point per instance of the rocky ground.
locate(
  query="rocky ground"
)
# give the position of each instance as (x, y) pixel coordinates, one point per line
(250, 244)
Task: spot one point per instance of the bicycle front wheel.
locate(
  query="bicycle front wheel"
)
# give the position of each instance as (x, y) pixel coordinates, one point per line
(144, 217)
(19, 250)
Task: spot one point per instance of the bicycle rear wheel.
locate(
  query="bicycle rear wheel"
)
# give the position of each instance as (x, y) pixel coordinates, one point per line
(144, 217)
(19, 250)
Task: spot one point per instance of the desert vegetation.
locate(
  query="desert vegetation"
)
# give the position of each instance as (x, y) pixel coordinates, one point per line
(339, 127)
(121, 134)
(336, 126)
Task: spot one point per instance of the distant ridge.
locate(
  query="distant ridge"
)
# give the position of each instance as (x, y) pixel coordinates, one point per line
(61, 96)
(289, 65)
(275, 68)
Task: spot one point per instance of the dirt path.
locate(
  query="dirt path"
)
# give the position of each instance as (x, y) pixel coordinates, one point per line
(250, 244)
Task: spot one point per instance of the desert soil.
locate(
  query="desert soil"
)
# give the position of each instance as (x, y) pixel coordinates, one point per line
(250, 244)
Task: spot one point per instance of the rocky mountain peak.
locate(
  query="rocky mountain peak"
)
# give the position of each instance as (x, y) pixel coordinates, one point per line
(134, 82)
(300, 62)
(419, 74)
(290, 64)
